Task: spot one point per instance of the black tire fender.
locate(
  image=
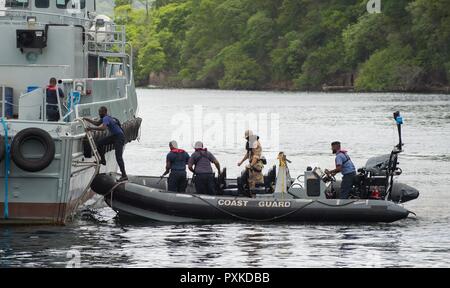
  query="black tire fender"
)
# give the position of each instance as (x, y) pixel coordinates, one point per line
(32, 165)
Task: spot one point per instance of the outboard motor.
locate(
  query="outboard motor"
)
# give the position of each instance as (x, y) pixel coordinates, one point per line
(378, 165)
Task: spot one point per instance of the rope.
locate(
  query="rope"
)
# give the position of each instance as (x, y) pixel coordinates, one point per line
(410, 212)
(111, 191)
(7, 170)
(252, 219)
(330, 205)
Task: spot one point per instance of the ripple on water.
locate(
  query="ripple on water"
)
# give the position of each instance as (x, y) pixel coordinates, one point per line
(308, 122)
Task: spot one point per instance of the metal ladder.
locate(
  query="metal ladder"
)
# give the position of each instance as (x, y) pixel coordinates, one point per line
(91, 143)
(96, 163)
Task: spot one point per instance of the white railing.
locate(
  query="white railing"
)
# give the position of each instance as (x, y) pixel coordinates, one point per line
(11, 13)
(110, 39)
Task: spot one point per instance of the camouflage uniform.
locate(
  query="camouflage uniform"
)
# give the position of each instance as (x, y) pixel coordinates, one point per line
(256, 166)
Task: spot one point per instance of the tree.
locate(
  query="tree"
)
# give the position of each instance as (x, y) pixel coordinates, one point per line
(300, 44)
(390, 69)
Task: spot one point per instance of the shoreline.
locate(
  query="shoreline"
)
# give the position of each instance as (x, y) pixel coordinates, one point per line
(439, 91)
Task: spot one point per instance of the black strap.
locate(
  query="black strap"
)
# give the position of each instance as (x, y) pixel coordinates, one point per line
(346, 156)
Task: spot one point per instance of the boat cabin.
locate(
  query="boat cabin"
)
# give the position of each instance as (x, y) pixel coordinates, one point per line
(67, 40)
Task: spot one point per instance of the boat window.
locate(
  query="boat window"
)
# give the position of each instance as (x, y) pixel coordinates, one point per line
(64, 4)
(42, 3)
(16, 3)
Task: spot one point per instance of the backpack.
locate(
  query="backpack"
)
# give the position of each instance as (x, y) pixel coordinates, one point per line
(117, 122)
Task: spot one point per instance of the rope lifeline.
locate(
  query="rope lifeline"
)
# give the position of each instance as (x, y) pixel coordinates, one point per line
(251, 219)
(7, 169)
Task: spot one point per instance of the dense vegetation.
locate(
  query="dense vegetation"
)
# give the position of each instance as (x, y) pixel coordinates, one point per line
(290, 44)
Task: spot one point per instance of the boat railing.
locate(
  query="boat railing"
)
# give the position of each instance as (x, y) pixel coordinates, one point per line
(32, 105)
(103, 38)
(14, 16)
(107, 41)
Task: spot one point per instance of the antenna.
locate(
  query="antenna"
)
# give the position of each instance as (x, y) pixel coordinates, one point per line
(399, 120)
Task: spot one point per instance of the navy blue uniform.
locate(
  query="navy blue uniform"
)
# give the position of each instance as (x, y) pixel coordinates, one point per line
(117, 138)
(51, 108)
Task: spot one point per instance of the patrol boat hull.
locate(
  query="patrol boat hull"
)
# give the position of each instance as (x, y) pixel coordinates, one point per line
(143, 197)
(53, 195)
(46, 174)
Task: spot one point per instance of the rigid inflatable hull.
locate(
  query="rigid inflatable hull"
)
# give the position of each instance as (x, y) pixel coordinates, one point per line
(159, 205)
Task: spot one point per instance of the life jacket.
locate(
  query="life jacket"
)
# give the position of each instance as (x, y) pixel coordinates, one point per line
(52, 97)
(203, 154)
(347, 158)
(179, 155)
(176, 150)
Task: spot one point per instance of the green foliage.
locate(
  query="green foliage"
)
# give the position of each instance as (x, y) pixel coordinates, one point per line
(364, 37)
(151, 58)
(391, 69)
(431, 29)
(304, 44)
(322, 64)
(288, 57)
(241, 71)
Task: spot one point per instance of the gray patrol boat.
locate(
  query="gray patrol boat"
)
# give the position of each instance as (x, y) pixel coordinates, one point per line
(46, 167)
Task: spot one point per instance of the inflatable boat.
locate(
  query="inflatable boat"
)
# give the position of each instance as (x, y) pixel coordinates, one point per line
(313, 196)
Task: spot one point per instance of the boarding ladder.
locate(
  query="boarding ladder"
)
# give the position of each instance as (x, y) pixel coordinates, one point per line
(95, 164)
(91, 143)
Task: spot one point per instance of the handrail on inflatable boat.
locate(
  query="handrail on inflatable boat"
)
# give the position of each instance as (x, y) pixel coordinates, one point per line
(393, 159)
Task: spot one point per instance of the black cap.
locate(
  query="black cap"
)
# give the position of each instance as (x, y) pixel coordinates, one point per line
(335, 143)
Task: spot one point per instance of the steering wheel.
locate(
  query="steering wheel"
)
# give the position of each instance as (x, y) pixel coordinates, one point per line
(328, 178)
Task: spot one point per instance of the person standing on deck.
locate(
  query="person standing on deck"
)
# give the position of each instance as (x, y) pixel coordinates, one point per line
(176, 162)
(116, 137)
(255, 166)
(52, 106)
(200, 165)
(345, 166)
